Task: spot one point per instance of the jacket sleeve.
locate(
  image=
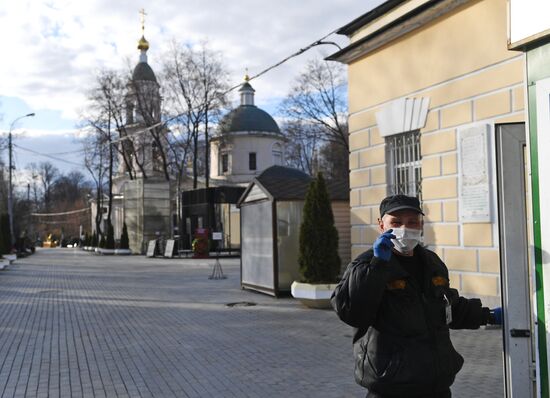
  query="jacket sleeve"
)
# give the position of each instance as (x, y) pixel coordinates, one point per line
(358, 294)
(466, 313)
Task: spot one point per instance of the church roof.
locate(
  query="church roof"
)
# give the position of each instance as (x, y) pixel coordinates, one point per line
(248, 118)
(143, 71)
(246, 86)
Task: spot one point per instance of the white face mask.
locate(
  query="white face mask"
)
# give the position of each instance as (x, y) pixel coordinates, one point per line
(406, 239)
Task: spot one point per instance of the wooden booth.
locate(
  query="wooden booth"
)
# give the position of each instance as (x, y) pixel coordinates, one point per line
(271, 214)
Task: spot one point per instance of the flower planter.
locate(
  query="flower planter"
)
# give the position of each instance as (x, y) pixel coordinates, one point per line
(4, 263)
(9, 257)
(123, 252)
(313, 295)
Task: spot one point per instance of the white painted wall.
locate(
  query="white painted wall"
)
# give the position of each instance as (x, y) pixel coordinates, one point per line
(238, 146)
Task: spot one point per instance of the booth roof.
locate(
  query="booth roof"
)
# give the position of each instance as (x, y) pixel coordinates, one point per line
(286, 183)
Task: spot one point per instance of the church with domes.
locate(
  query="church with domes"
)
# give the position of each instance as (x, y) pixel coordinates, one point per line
(248, 142)
(142, 195)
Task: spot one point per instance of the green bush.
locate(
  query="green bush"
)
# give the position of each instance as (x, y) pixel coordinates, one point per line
(5, 236)
(110, 239)
(102, 241)
(124, 240)
(318, 258)
(94, 241)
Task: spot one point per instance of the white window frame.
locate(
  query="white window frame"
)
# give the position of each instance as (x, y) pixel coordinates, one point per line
(404, 166)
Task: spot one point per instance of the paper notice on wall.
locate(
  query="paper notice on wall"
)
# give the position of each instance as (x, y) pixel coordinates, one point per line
(474, 194)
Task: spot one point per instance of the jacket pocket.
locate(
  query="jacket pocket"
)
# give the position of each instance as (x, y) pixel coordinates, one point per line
(377, 359)
(395, 365)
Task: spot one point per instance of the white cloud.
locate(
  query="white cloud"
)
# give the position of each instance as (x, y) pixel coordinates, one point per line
(51, 49)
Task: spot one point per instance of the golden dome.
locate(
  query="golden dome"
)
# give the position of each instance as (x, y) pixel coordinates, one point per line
(143, 44)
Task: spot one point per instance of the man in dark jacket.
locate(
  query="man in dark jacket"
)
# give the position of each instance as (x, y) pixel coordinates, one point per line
(397, 297)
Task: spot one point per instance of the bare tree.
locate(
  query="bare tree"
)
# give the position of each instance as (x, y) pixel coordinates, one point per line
(69, 189)
(47, 174)
(304, 141)
(94, 154)
(196, 82)
(106, 114)
(316, 114)
(145, 97)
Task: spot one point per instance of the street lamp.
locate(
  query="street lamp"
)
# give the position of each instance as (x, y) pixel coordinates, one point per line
(10, 188)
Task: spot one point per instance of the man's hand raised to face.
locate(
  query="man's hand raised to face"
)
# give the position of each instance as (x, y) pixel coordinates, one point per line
(383, 245)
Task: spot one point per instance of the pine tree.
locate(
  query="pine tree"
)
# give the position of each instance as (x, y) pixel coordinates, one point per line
(124, 240)
(110, 239)
(319, 260)
(5, 236)
(102, 241)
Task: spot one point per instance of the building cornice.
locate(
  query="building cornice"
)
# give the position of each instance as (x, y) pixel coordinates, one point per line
(413, 20)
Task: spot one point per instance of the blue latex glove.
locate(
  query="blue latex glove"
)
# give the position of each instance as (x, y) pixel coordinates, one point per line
(496, 316)
(382, 245)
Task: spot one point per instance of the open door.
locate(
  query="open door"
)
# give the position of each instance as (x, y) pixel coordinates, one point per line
(514, 218)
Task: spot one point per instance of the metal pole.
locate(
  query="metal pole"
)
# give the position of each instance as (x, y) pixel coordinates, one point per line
(10, 193)
(10, 187)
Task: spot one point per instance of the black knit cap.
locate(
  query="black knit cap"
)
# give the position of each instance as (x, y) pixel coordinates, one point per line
(399, 202)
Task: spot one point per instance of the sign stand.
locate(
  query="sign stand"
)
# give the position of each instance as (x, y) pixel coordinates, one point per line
(169, 248)
(217, 272)
(151, 248)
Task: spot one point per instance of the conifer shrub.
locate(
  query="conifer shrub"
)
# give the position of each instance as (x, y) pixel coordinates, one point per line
(318, 256)
(102, 241)
(5, 236)
(124, 240)
(110, 238)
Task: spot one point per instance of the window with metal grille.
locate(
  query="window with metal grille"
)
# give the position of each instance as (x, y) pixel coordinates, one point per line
(405, 165)
(252, 160)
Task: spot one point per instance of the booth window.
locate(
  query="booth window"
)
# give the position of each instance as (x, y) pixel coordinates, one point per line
(405, 164)
(252, 160)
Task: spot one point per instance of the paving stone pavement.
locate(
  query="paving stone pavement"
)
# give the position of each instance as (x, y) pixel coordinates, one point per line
(74, 324)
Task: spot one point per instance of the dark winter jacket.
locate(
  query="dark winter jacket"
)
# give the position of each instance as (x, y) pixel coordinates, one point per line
(401, 342)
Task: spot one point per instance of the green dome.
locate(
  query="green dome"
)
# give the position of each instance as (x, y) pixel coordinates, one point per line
(143, 71)
(248, 118)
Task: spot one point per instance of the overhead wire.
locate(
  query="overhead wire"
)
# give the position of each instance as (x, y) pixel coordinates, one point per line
(234, 87)
(47, 155)
(165, 122)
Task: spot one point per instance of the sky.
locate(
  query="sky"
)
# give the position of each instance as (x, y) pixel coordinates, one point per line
(51, 51)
